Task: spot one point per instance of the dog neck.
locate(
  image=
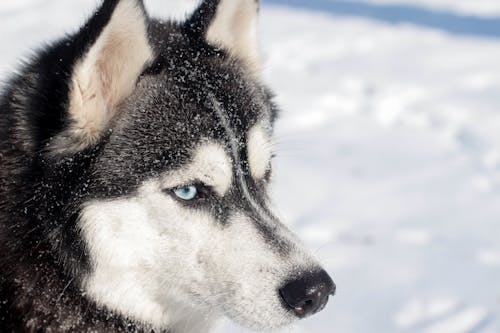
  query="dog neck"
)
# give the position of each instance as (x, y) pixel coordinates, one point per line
(43, 302)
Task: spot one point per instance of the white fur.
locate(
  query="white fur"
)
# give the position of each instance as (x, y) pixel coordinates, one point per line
(235, 28)
(259, 151)
(121, 244)
(211, 165)
(131, 242)
(107, 73)
(174, 266)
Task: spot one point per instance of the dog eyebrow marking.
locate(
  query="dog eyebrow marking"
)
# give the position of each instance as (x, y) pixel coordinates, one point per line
(211, 165)
(263, 221)
(259, 146)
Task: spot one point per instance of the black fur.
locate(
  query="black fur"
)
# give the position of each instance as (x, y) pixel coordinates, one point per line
(42, 256)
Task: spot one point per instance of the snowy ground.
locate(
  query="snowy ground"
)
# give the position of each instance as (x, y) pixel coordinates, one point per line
(485, 8)
(389, 158)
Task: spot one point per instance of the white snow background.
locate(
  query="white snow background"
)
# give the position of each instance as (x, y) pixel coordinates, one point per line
(388, 156)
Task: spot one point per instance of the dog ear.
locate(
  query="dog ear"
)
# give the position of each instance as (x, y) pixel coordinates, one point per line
(107, 72)
(232, 25)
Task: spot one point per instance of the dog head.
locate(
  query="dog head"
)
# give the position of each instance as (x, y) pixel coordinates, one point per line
(175, 214)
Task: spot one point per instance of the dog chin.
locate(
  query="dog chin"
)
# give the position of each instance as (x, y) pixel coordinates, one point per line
(264, 320)
(271, 324)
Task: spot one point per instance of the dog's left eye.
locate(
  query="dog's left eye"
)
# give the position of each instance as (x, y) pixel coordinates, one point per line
(187, 193)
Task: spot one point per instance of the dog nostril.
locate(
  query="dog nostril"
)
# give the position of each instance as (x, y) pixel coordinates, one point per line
(308, 294)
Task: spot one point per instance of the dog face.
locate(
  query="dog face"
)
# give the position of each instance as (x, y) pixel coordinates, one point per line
(176, 217)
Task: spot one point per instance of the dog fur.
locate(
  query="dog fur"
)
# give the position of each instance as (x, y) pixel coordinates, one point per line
(97, 132)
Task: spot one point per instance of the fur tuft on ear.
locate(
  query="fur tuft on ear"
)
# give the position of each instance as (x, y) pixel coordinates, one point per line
(107, 73)
(233, 25)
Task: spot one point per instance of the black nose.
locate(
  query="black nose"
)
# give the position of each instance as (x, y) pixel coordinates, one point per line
(308, 294)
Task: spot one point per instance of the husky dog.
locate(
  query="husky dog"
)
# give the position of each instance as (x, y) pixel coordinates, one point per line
(135, 162)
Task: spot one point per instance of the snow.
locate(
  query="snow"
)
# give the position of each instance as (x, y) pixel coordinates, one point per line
(390, 168)
(489, 257)
(388, 162)
(486, 8)
(419, 310)
(465, 321)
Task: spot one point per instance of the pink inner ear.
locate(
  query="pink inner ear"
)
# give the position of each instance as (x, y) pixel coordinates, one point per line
(105, 81)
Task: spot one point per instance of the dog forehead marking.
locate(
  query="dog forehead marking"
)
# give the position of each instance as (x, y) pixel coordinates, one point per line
(259, 151)
(210, 165)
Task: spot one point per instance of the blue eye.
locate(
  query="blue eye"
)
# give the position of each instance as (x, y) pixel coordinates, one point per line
(187, 193)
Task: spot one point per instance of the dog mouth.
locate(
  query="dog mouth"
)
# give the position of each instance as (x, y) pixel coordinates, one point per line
(298, 298)
(279, 303)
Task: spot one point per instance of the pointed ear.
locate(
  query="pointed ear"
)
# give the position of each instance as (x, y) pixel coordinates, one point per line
(233, 25)
(107, 72)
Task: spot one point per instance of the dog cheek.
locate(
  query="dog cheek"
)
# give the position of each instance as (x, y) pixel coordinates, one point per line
(189, 260)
